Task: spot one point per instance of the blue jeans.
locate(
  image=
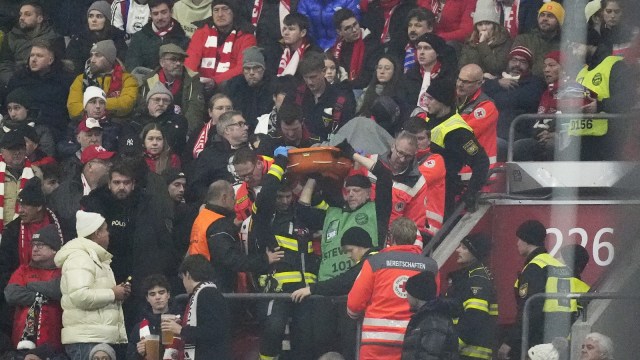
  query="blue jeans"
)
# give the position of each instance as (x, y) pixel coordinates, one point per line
(79, 351)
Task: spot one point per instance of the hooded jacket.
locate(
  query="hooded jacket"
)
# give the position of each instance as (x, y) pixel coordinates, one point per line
(91, 313)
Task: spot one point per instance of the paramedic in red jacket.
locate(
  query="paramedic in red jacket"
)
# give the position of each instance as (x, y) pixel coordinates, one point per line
(379, 292)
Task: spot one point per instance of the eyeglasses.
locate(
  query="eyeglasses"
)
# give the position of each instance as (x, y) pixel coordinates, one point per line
(239, 124)
(402, 155)
(173, 59)
(248, 175)
(467, 82)
(38, 245)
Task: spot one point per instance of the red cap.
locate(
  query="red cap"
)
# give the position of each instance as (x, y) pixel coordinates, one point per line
(93, 152)
(556, 55)
(88, 124)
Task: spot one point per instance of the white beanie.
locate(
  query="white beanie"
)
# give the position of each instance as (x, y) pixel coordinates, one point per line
(92, 92)
(592, 8)
(486, 10)
(87, 223)
(543, 352)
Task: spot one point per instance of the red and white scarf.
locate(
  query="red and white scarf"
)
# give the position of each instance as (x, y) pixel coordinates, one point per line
(388, 7)
(436, 9)
(27, 173)
(191, 318)
(357, 56)
(212, 66)
(426, 81)
(202, 139)
(289, 62)
(511, 21)
(162, 33)
(284, 9)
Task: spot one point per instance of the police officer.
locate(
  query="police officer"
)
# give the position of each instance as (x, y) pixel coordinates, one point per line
(541, 273)
(453, 138)
(275, 225)
(471, 297)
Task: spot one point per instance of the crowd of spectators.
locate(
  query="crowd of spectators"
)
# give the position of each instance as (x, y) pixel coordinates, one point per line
(137, 132)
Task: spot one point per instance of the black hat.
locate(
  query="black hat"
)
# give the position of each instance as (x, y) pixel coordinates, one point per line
(170, 175)
(443, 90)
(20, 96)
(422, 286)
(578, 254)
(358, 180)
(437, 43)
(479, 245)
(50, 236)
(386, 112)
(32, 194)
(356, 236)
(13, 140)
(532, 232)
(229, 3)
(29, 132)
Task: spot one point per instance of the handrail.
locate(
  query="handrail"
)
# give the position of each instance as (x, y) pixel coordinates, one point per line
(444, 231)
(580, 297)
(561, 117)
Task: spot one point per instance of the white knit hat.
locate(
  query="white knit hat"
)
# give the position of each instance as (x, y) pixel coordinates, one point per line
(92, 92)
(543, 352)
(592, 8)
(87, 223)
(486, 10)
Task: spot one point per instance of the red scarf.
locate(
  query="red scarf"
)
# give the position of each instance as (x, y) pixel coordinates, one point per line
(388, 7)
(212, 66)
(436, 9)
(174, 87)
(116, 81)
(511, 21)
(202, 139)
(357, 56)
(162, 33)
(435, 70)
(27, 173)
(284, 9)
(289, 62)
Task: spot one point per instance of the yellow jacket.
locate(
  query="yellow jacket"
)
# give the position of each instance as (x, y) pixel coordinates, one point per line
(119, 106)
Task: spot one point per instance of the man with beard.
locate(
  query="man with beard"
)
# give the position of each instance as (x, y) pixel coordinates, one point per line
(184, 84)
(65, 200)
(16, 46)
(515, 92)
(141, 233)
(420, 21)
(162, 29)
(290, 130)
(183, 213)
(545, 38)
(107, 73)
(251, 91)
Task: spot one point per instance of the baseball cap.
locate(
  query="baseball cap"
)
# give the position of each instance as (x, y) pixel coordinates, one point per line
(88, 124)
(95, 152)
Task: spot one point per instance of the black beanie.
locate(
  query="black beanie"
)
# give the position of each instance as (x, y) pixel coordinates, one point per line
(443, 90)
(436, 42)
(170, 175)
(20, 96)
(479, 245)
(50, 236)
(532, 232)
(358, 180)
(578, 254)
(32, 194)
(422, 286)
(356, 236)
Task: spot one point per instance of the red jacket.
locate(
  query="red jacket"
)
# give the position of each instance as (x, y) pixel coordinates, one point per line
(434, 171)
(456, 21)
(379, 293)
(481, 114)
(50, 319)
(173, 162)
(244, 198)
(198, 50)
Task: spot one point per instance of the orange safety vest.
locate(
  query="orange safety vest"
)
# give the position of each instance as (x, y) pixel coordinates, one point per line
(434, 171)
(481, 114)
(243, 200)
(198, 243)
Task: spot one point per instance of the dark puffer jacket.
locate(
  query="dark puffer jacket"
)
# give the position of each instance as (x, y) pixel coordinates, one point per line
(79, 48)
(430, 334)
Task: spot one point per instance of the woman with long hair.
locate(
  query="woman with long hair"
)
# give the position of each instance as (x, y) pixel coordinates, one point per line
(157, 152)
(333, 72)
(386, 82)
(489, 44)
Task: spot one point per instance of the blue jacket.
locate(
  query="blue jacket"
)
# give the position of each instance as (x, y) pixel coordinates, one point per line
(320, 14)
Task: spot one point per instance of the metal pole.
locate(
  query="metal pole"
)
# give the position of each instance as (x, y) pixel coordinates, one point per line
(358, 338)
(587, 297)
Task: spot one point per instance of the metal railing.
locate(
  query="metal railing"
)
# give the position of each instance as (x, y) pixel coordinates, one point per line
(560, 119)
(582, 298)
